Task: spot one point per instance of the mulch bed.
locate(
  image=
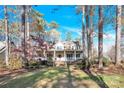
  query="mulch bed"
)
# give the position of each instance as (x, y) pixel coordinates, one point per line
(111, 69)
(5, 72)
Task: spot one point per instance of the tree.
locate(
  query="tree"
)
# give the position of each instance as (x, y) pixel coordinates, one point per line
(87, 34)
(24, 31)
(53, 25)
(27, 21)
(111, 53)
(7, 36)
(122, 34)
(68, 36)
(91, 34)
(118, 35)
(38, 24)
(54, 34)
(83, 32)
(100, 37)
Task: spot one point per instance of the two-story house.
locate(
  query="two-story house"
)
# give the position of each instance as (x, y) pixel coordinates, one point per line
(65, 51)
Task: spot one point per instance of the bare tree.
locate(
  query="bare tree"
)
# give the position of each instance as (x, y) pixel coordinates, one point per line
(27, 21)
(118, 34)
(111, 53)
(91, 34)
(83, 32)
(24, 29)
(87, 35)
(7, 36)
(100, 37)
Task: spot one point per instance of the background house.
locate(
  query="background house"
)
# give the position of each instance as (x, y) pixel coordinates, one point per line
(65, 51)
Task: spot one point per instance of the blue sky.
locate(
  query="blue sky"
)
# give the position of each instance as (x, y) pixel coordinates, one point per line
(65, 16)
(68, 20)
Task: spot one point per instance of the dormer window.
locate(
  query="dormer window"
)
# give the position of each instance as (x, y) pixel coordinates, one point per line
(59, 47)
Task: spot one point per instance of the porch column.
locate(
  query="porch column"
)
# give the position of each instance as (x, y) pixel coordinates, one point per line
(64, 56)
(74, 54)
(54, 55)
(54, 58)
(81, 55)
(44, 53)
(65, 62)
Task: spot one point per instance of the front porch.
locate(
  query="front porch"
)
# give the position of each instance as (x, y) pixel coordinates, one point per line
(65, 55)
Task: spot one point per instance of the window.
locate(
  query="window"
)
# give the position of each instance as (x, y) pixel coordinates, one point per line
(59, 56)
(59, 47)
(77, 56)
(69, 56)
(73, 47)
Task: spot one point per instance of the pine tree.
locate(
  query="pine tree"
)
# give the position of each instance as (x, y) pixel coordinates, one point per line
(100, 37)
(7, 36)
(118, 35)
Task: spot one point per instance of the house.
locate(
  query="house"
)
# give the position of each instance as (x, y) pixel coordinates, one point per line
(65, 51)
(59, 51)
(2, 51)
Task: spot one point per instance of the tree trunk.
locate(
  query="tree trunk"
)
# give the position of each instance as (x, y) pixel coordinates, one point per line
(7, 36)
(24, 31)
(100, 38)
(91, 34)
(87, 32)
(27, 22)
(83, 32)
(118, 34)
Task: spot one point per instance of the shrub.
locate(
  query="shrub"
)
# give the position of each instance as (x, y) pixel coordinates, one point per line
(95, 60)
(50, 61)
(106, 61)
(33, 64)
(81, 66)
(15, 63)
(2, 64)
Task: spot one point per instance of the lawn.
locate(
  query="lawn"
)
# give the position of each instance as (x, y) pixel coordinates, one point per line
(61, 77)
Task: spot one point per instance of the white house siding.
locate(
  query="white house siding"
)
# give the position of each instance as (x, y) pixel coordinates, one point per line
(65, 51)
(69, 55)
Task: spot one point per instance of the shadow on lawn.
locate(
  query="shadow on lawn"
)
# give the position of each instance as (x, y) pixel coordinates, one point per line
(69, 77)
(57, 77)
(29, 80)
(97, 78)
(66, 81)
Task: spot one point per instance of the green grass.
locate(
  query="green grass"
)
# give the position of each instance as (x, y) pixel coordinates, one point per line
(61, 77)
(114, 81)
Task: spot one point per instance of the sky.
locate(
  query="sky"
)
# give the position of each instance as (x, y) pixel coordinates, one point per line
(65, 16)
(69, 21)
